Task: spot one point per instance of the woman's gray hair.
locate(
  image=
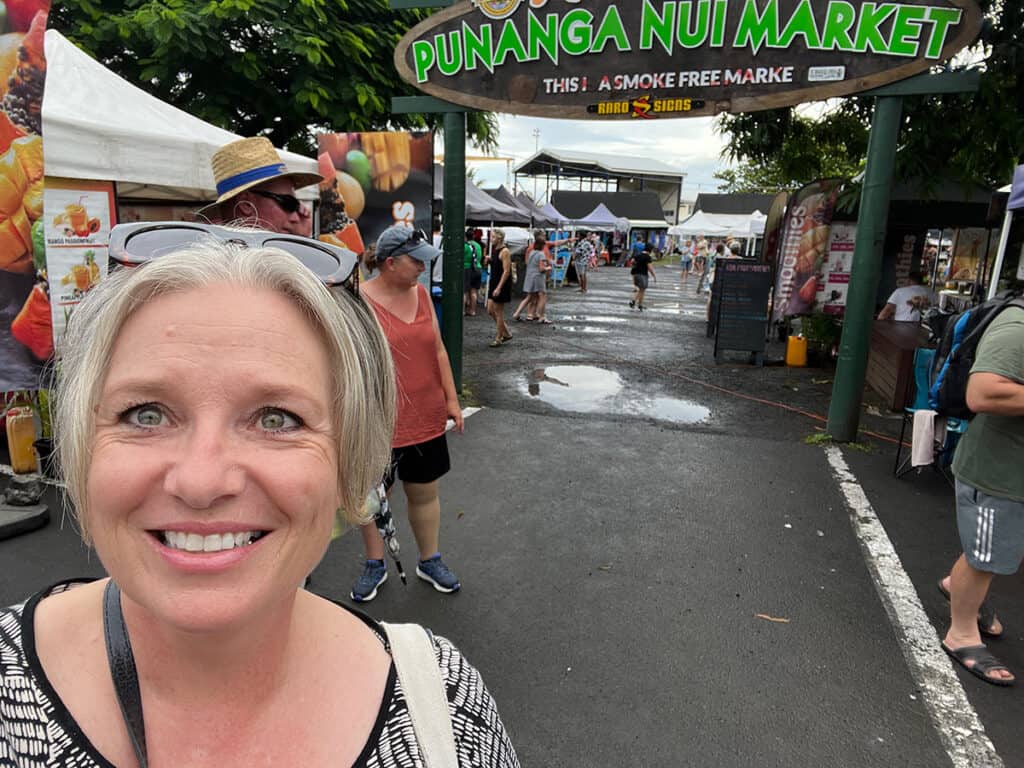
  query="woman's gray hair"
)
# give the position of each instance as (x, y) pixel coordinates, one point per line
(363, 380)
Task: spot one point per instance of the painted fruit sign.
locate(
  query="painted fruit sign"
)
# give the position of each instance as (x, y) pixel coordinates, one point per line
(649, 59)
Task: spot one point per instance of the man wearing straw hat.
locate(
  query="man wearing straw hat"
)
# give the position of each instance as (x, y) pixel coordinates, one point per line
(255, 188)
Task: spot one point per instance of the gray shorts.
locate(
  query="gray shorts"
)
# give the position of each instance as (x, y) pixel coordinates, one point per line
(581, 267)
(991, 530)
(641, 281)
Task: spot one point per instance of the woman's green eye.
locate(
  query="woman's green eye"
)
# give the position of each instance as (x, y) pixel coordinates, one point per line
(275, 420)
(145, 416)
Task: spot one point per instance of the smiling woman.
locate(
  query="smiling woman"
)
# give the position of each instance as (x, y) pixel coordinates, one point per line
(219, 405)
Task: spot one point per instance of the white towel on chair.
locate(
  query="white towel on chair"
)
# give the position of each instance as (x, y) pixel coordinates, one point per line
(928, 429)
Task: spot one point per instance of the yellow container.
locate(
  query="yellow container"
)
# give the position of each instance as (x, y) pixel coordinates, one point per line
(796, 352)
(21, 433)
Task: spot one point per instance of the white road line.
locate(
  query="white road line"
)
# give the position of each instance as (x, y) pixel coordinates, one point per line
(958, 726)
(466, 413)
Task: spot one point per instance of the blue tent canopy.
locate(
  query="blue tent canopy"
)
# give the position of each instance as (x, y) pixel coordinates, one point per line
(1017, 192)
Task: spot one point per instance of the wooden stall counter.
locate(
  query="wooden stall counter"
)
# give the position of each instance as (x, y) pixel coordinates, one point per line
(891, 361)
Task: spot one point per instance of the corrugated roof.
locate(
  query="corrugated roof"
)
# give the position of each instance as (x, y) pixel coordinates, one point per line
(590, 163)
(733, 204)
(626, 205)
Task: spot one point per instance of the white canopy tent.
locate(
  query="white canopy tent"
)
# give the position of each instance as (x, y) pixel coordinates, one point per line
(744, 225)
(98, 126)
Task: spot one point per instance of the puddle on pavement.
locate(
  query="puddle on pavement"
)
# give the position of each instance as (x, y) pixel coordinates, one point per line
(582, 329)
(588, 389)
(591, 319)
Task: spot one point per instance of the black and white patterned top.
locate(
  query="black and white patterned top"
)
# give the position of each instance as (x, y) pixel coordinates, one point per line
(37, 730)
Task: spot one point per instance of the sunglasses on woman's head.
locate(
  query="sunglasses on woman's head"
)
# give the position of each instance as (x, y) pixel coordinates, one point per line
(416, 237)
(132, 245)
(287, 203)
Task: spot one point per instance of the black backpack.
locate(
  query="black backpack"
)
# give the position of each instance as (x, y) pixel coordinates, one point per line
(954, 357)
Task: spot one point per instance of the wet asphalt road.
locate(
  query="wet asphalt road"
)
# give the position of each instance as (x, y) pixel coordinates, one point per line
(622, 565)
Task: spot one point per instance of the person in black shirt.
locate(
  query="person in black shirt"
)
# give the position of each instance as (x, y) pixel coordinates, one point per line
(641, 271)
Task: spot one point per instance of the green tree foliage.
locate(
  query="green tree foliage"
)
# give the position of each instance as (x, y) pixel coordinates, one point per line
(286, 69)
(789, 152)
(969, 137)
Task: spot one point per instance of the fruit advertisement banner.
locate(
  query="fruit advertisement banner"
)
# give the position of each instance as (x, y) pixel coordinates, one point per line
(804, 245)
(372, 181)
(25, 338)
(78, 216)
(835, 283)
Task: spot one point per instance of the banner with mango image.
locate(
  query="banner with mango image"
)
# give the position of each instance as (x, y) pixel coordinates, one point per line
(26, 338)
(372, 181)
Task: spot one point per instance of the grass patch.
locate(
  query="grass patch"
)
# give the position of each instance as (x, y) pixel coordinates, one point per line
(820, 438)
(467, 398)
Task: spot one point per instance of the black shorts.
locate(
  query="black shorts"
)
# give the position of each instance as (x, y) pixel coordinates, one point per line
(471, 279)
(420, 463)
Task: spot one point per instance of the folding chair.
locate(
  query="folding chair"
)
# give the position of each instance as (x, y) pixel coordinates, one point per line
(943, 450)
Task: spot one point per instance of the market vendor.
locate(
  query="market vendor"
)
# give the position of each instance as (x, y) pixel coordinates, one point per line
(907, 303)
(256, 189)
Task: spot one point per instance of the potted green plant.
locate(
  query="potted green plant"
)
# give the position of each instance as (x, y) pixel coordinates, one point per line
(823, 332)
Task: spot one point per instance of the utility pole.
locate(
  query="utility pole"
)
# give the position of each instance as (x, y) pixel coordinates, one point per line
(536, 149)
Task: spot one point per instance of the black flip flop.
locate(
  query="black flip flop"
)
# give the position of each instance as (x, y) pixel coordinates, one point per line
(984, 662)
(986, 615)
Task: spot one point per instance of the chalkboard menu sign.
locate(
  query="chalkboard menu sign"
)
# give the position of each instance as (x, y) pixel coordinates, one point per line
(741, 317)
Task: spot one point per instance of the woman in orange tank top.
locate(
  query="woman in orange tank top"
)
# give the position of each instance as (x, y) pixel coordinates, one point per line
(426, 400)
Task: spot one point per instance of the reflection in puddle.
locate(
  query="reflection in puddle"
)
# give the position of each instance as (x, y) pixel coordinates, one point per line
(582, 329)
(591, 319)
(587, 389)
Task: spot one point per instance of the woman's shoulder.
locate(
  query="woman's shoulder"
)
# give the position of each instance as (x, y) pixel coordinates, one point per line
(32, 718)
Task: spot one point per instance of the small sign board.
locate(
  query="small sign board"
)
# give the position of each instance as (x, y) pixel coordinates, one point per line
(649, 59)
(742, 316)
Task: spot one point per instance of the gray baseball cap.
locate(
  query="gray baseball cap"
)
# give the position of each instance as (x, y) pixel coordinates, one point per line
(398, 239)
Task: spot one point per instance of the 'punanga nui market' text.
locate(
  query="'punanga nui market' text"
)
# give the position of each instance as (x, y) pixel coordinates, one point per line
(916, 31)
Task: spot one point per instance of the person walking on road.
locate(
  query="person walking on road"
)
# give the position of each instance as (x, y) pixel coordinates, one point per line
(642, 270)
(700, 263)
(582, 255)
(500, 286)
(473, 259)
(989, 495)
(686, 261)
(426, 400)
(535, 284)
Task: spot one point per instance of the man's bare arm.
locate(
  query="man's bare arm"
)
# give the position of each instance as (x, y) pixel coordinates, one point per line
(995, 394)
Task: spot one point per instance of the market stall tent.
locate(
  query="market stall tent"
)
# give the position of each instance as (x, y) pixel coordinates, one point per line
(600, 218)
(1015, 203)
(739, 225)
(99, 126)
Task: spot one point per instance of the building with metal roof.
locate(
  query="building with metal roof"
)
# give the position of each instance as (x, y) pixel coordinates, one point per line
(593, 172)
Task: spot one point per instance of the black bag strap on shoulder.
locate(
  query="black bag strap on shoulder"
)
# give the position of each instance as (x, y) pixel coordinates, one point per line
(122, 670)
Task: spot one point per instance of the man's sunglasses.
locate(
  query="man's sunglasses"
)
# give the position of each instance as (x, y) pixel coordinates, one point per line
(287, 203)
(416, 237)
(134, 244)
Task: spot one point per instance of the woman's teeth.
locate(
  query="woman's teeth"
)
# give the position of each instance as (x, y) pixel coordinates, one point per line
(215, 542)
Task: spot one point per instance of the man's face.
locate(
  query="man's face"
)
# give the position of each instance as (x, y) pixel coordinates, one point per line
(271, 213)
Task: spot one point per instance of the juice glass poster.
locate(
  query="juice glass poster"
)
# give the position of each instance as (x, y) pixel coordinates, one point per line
(373, 181)
(25, 338)
(78, 216)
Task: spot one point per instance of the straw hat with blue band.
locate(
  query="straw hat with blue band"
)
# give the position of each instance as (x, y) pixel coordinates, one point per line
(246, 163)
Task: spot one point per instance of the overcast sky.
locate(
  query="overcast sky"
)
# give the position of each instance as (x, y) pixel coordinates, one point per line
(689, 144)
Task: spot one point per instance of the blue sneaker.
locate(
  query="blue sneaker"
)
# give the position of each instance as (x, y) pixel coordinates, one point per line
(437, 573)
(375, 573)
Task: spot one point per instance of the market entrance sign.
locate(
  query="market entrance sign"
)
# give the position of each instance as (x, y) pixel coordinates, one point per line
(643, 59)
